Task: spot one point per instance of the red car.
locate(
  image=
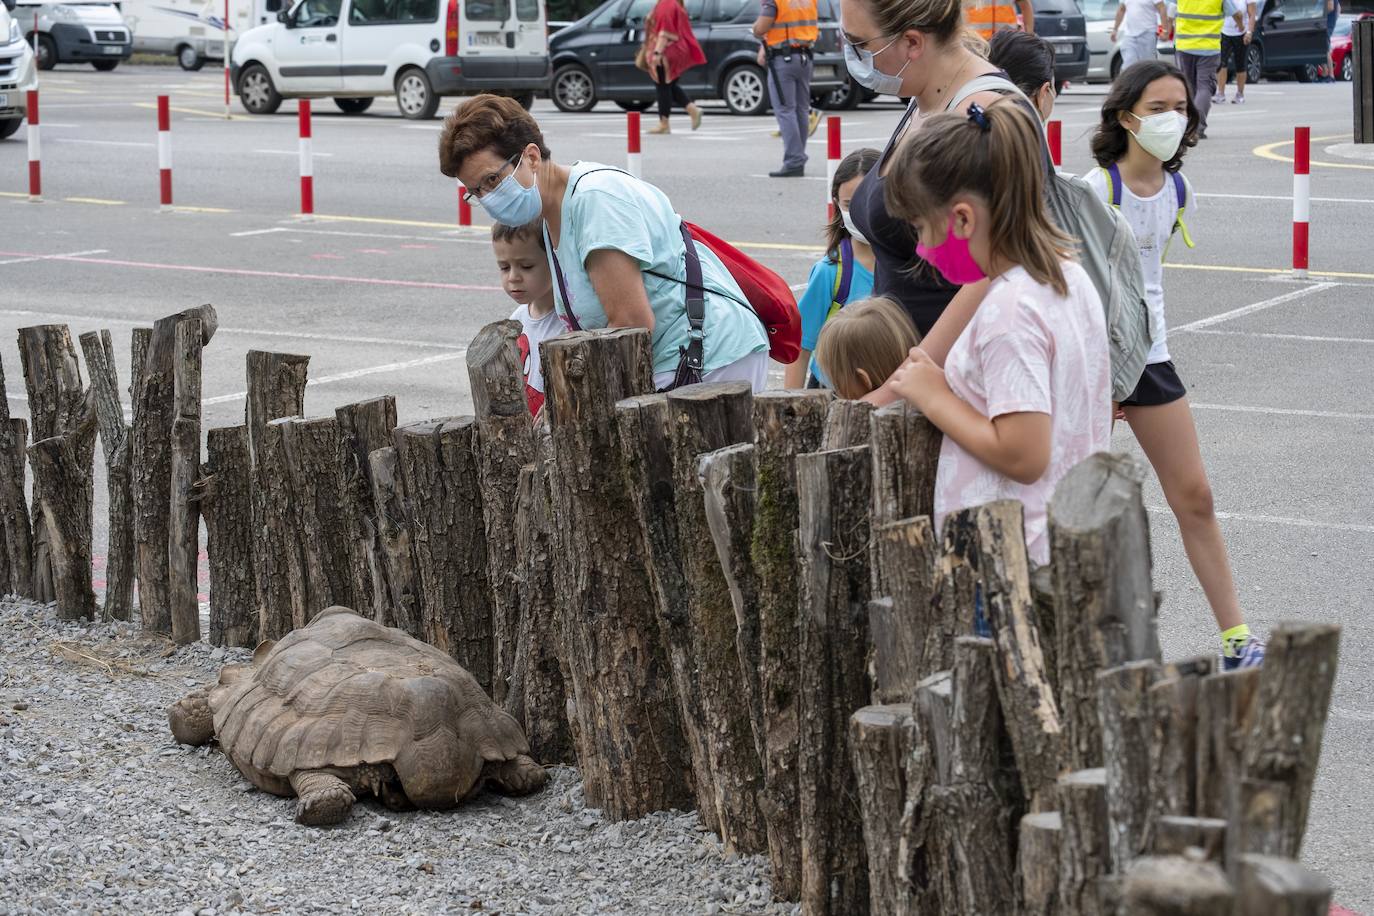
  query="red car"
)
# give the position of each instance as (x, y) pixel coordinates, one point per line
(1340, 46)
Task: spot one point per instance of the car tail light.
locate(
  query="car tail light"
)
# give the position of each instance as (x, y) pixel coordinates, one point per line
(451, 30)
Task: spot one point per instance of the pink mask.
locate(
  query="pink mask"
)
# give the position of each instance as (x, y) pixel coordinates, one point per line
(952, 258)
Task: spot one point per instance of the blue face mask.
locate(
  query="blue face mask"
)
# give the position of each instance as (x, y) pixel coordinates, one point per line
(864, 69)
(512, 204)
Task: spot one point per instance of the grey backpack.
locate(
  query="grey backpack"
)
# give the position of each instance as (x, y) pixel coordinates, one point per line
(1107, 250)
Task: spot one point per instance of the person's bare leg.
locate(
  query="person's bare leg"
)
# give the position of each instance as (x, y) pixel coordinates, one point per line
(1240, 83)
(1169, 438)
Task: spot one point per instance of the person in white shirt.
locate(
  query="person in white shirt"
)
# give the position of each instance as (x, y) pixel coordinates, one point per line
(1140, 34)
(1235, 45)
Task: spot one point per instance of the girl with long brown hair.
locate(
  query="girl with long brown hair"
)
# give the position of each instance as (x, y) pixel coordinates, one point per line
(1025, 392)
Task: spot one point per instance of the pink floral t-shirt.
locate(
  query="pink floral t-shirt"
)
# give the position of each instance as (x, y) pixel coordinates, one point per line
(1029, 350)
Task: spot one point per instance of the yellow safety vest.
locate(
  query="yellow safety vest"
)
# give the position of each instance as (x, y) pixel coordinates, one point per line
(987, 17)
(797, 25)
(1198, 25)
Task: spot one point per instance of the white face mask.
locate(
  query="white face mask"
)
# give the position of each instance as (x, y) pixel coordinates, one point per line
(854, 232)
(1160, 134)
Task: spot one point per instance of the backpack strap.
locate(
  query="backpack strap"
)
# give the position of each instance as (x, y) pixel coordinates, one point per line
(1181, 195)
(693, 355)
(844, 277)
(1113, 172)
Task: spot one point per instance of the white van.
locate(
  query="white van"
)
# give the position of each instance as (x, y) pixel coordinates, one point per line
(18, 72)
(193, 30)
(416, 50)
(76, 31)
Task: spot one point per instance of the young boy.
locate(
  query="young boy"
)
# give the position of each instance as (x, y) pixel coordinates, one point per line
(526, 278)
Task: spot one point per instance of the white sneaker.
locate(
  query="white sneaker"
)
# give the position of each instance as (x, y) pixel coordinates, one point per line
(1219, 98)
(1238, 100)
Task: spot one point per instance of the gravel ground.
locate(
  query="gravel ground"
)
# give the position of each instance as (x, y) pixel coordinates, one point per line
(103, 813)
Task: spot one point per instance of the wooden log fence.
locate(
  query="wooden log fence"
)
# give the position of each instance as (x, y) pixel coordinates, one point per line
(696, 596)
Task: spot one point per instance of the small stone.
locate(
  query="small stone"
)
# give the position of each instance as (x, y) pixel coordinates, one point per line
(185, 808)
(20, 706)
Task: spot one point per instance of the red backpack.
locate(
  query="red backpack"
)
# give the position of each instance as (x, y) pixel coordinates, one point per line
(766, 294)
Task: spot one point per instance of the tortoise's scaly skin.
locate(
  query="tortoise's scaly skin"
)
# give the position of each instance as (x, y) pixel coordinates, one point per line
(344, 708)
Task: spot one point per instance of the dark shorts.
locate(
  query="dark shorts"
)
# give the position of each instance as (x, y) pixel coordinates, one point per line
(1232, 53)
(1158, 385)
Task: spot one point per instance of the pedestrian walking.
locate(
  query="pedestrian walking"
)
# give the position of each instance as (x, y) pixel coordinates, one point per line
(1235, 42)
(842, 275)
(615, 245)
(788, 30)
(988, 17)
(1333, 15)
(670, 49)
(1197, 47)
(1028, 61)
(1136, 29)
(1148, 122)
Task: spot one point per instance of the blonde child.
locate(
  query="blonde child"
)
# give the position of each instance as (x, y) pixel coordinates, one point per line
(526, 278)
(864, 344)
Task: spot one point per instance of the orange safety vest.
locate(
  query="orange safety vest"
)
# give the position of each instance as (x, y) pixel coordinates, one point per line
(797, 25)
(987, 17)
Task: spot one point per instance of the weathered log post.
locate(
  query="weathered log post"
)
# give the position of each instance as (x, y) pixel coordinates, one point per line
(848, 424)
(907, 638)
(438, 464)
(364, 427)
(1281, 887)
(1225, 706)
(1173, 741)
(1176, 886)
(1100, 550)
(923, 849)
(1127, 727)
(15, 525)
(956, 589)
(98, 348)
(62, 479)
(786, 424)
(906, 450)
(1269, 813)
(1037, 863)
(312, 459)
(505, 435)
(151, 461)
(276, 553)
(630, 745)
(1084, 850)
(833, 498)
(183, 529)
(1175, 835)
(57, 405)
(225, 502)
(396, 582)
(881, 739)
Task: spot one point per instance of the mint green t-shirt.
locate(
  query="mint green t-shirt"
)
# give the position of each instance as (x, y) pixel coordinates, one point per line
(612, 209)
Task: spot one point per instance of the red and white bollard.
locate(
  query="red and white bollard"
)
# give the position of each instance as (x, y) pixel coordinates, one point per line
(1302, 191)
(464, 208)
(35, 150)
(164, 150)
(634, 159)
(832, 161)
(1054, 132)
(307, 166)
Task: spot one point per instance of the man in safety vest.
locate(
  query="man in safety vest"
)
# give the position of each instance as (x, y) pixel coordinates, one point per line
(1197, 47)
(987, 17)
(788, 29)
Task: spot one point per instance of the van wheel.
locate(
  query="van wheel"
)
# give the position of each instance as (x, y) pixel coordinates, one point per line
(353, 106)
(572, 88)
(256, 91)
(47, 53)
(9, 126)
(744, 90)
(846, 98)
(415, 96)
(189, 58)
(104, 66)
(636, 105)
(1308, 73)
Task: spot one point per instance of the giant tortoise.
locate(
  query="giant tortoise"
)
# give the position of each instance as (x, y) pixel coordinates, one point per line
(345, 707)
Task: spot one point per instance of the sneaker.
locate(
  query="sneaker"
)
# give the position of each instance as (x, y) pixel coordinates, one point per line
(814, 120)
(1219, 98)
(1249, 654)
(1238, 100)
(777, 133)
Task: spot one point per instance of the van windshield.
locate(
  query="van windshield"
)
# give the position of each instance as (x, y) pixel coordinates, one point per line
(487, 10)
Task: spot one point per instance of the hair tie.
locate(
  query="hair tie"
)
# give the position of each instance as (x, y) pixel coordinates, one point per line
(978, 116)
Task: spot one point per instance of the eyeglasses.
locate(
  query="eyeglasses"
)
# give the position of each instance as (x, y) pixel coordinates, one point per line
(490, 183)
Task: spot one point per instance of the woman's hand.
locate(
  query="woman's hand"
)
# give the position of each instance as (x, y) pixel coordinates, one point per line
(919, 380)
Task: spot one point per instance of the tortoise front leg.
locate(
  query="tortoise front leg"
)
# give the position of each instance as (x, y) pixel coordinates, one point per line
(518, 776)
(322, 797)
(191, 720)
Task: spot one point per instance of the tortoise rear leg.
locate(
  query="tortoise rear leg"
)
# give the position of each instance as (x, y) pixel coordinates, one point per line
(191, 720)
(518, 776)
(322, 797)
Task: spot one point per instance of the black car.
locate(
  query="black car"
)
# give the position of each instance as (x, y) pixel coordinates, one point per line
(1291, 38)
(1061, 23)
(594, 58)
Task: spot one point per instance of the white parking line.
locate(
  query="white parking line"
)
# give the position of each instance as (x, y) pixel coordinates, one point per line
(1324, 200)
(50, 257)
(1303, 337)
(288, 152)
(100, 142)
(1278, 520)
(460, 353)
(1287, 411)
(1253, 307)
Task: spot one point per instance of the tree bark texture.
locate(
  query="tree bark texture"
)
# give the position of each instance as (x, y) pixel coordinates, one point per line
(631, 749)
(880, 741)
(1285, 740)
(1038, 863)
(1281, 887)
(98, 348)
(922, 849)
(226, 504)
(1174, 835)
(1176, 886)
(1225, 709)
(905, 633)
(834, 492)
(438, 463)
(956, 588)
(1173, 745)
(276, 551)
(1084, 854)
(57, 406)
(15, 522)
(786, 424)
(153, 412)
(62, 478)
(183, 529)
(397, 578)
(906, 450)
(1100, 549)
(363, 428)
(1127, 728)
(312, 454)
(848, 424)
(505, 446)
(1028, 703)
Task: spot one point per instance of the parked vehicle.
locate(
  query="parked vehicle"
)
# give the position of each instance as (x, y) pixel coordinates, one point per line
(76, 31)
(18, 72)
(1341, 42)
(417, 50)
(1061, 23)
(594, 58)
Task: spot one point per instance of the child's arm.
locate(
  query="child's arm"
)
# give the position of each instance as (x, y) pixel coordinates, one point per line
(953, 320)
(795, 374)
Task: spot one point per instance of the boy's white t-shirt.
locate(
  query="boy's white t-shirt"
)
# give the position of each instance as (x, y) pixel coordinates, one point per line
(1029, 350)
(1152, 220)
(1141, 17)
(535, 330)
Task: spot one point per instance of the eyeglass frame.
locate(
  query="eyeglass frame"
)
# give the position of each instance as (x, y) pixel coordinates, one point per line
(471, 194)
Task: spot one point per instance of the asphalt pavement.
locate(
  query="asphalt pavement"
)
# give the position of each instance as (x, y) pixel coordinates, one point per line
(384, 291)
